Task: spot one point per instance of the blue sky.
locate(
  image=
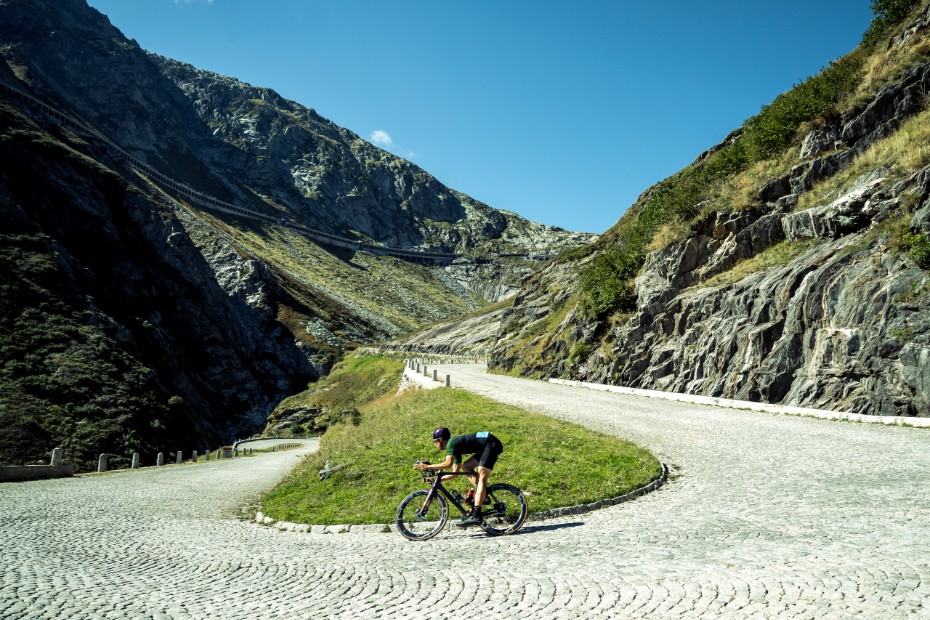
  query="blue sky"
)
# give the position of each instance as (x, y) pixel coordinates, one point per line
(561, 111)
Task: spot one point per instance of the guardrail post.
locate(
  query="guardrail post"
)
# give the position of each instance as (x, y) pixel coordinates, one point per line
(194, 457)
(57, 456)
(102, 463)
(135, 460)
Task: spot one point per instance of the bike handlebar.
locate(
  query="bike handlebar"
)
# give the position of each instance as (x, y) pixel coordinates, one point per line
(429, 475)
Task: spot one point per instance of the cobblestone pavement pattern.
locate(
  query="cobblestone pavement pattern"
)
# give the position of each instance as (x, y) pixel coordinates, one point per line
(765, 516)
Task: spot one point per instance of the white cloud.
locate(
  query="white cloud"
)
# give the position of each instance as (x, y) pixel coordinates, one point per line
(382, 138)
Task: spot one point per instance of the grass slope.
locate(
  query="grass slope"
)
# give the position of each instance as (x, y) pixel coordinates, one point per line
(554, 462)
(356, 380)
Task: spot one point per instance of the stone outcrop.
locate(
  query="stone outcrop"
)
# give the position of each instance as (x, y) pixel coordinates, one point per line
(248, 145)
(835, 314)
(838, 327)
(472, 336)
(140, 318)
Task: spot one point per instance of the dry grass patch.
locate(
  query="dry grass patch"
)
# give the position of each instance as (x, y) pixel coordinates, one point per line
(903, 153)
(779, 254)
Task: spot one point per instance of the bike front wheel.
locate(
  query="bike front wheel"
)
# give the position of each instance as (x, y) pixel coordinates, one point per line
(417, 520)
(505, 511)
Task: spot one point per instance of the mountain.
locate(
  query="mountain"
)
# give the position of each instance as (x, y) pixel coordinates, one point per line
(788, 264)
(181, 250)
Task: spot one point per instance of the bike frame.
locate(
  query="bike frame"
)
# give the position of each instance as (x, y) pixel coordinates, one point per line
(504, 515)
(438, 488)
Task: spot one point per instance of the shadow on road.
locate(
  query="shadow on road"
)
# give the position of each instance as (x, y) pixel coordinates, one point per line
(532, 529)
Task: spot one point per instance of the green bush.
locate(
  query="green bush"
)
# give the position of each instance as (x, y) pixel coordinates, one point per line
(919, 249)
(607, 284)
(774, 127)
(578, 352)
(887, 14)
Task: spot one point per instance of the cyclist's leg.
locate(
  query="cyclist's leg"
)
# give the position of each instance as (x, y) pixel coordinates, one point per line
(469, 466)
(481, 489)
(486, 461)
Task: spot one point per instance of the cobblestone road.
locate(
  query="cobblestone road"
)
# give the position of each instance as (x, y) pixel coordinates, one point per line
(765, 517)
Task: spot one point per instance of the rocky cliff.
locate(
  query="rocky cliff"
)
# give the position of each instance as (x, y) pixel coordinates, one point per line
(801, 279)
(119, 333)
(133, 319)
(246, 144)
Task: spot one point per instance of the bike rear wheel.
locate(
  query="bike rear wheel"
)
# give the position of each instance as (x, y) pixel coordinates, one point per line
(418, 521)
(505, 511)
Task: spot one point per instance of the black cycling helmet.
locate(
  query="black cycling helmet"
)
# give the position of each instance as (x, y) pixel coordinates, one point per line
(441, 433)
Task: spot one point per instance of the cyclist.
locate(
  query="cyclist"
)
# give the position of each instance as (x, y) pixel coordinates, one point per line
(484, 448)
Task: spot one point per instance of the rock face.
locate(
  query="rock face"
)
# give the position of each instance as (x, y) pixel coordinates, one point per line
(120, 334)
(135, 322)
(839, 327)
(472, 336)
(248, 145)
(834, 314)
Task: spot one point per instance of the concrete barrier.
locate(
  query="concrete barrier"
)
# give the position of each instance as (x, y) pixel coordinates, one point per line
(57, 469)
(413, 379)
(35, 472)
(751, 405)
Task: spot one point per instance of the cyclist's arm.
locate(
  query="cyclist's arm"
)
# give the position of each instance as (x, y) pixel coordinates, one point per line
(437, 466)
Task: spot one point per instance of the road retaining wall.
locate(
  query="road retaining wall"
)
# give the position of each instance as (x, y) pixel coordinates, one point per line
(20, 473)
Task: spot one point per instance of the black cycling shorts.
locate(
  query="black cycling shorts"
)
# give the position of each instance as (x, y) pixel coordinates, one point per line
(492, 449)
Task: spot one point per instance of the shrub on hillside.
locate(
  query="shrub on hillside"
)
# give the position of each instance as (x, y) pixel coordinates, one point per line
(607, 284)
(887, 14)
(919, 249)
(774, 127)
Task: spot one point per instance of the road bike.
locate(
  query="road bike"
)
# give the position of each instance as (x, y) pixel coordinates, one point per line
(424, 513)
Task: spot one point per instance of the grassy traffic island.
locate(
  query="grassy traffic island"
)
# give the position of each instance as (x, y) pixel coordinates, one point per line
(556, 463)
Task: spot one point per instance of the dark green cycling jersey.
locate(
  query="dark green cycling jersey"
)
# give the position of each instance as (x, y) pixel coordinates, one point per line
(484, 446)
